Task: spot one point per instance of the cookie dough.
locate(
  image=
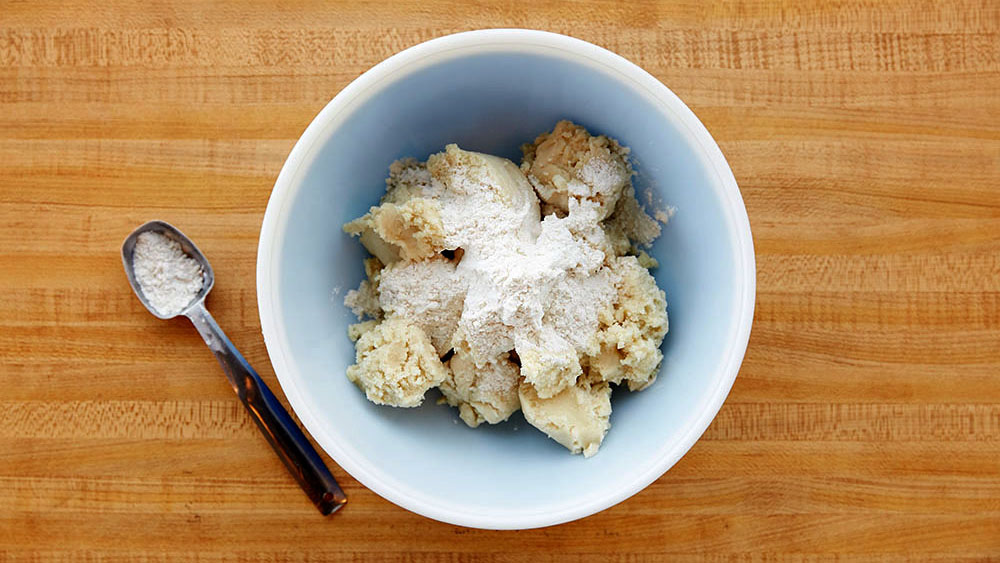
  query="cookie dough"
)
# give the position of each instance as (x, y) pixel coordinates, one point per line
(631, 329)
(577, 417)
(486, 393)
(396, 364)
(511, 287)
(569, 163)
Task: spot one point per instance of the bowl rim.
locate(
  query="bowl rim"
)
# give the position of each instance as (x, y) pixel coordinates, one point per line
(438, 50)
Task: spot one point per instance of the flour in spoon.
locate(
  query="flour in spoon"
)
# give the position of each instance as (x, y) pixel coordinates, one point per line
(169, 278)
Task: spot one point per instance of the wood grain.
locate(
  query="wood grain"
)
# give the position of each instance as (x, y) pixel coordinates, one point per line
(864, 426)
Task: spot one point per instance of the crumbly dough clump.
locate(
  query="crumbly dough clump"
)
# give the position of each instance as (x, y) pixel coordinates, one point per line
(408, 231)
(511, 288)
(396, 364)
(578, 417)
(569, 163)
(631, 329)
(482, 394)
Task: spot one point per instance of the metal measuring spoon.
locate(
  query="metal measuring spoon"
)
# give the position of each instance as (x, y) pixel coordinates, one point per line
(281, 432)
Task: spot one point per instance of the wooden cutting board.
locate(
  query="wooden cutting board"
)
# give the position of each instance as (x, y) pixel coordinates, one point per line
(865, 136)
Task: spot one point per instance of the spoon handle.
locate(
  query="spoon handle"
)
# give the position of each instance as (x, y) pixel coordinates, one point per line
(272, 419)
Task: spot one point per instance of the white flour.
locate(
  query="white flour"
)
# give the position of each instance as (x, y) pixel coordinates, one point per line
(169, 278)
(435, 308)
(519, 277)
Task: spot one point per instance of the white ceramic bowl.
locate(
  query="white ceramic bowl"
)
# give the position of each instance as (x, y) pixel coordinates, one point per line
(490, 91)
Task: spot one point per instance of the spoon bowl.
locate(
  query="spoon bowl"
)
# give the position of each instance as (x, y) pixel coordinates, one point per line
(189, 248)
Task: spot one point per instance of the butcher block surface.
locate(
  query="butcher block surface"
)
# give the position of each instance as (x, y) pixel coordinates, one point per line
(865, 138)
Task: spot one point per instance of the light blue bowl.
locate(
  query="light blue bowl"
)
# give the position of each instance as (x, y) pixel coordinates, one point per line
(490, 91)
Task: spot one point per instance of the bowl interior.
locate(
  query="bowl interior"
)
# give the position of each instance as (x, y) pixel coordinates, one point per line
(426, 459)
